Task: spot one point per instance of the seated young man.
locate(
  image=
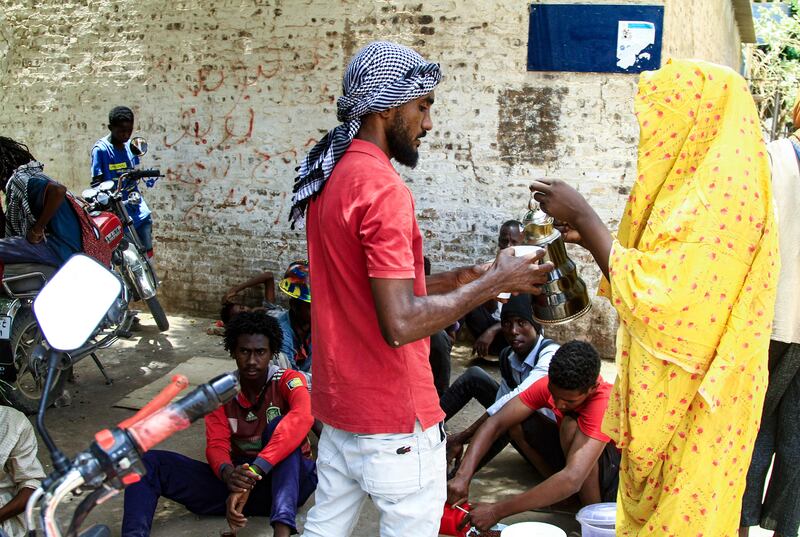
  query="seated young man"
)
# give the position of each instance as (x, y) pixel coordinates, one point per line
(20, 470)
(266, 278)
(231, 308)
(523, 362)
(484, 321)
(585, 460)
(259, 459)
(296, 323)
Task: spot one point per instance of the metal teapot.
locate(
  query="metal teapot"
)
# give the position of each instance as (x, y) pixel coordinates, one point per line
(564, 296)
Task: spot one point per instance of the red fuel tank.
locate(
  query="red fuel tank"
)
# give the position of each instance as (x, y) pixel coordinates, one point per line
(110, 228)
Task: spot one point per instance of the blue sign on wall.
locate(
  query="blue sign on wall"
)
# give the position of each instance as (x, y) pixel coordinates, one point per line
(595, 38)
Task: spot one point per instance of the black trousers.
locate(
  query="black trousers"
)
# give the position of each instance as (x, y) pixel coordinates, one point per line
(441, 346)
(779, 435)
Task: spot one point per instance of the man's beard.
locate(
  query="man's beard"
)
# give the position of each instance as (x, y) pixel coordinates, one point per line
(401, 143)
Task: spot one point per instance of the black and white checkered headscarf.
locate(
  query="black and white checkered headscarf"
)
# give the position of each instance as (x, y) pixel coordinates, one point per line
(380, 76)
(19, 216)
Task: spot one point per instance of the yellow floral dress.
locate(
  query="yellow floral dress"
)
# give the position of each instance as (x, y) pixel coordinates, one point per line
(693, 274)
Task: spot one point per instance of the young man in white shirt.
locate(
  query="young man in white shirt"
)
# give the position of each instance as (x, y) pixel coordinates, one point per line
(523, 362)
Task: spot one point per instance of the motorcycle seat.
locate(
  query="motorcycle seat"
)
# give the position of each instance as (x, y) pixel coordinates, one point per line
(26, 278)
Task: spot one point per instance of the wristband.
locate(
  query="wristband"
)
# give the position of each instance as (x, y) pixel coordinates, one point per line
(254, 470)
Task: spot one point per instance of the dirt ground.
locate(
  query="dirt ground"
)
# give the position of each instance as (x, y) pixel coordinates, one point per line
(149, 354)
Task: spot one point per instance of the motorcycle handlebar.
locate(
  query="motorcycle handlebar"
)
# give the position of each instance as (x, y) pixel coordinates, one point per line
(139, 174)
(113, 460)
(176, 385)
(180, 414)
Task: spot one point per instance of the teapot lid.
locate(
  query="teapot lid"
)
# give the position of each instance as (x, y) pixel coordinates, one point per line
(537, 224)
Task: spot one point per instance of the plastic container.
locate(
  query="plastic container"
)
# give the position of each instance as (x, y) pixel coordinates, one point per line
(452, 519)
(598, 520)
(533, 529)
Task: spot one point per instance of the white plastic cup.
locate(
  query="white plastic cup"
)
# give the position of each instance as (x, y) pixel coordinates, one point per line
(524, 249)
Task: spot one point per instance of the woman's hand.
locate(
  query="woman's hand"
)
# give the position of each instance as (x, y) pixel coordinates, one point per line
(569, 233)
(576, 219)
(560, 201)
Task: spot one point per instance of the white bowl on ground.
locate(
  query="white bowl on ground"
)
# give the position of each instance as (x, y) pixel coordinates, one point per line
(533, 529)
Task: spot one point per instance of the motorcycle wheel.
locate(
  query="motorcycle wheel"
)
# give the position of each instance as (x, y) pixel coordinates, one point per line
(25, 393)
(158, 313)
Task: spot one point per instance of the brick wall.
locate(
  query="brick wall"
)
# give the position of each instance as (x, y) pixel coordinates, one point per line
(706, 30)
(232, 93)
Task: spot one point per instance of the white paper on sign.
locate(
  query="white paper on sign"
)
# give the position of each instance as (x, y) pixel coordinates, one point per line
(632, 38)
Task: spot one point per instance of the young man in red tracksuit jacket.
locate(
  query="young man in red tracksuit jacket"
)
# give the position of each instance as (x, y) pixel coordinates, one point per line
(259, 459)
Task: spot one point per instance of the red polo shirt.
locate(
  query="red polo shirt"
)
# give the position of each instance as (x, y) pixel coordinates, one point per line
(362, 226)
(589, 415)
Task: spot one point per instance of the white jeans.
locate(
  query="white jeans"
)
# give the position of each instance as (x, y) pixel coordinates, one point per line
(404, 474)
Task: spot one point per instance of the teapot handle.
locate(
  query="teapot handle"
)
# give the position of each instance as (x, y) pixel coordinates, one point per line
(533, 205)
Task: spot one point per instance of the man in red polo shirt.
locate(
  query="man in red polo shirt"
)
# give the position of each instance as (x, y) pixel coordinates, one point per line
(371, 318)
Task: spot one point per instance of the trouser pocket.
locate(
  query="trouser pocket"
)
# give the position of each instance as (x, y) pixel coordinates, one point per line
(433, 460)
(391, 465)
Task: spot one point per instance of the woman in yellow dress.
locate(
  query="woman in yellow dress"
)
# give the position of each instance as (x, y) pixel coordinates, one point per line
(692, 274)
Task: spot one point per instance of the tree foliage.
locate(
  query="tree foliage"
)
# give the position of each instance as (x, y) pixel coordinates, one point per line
(774, 63)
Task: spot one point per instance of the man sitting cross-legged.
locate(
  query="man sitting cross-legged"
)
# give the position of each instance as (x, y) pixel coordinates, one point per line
(258, 455)
(587, 462)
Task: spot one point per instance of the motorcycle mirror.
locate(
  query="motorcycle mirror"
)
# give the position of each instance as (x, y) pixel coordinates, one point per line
(138, 146)
(74, 301)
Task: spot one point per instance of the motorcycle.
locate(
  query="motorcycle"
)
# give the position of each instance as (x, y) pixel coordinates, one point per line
(108, 202)
(114, 459)
(22, 385)
(129, 256)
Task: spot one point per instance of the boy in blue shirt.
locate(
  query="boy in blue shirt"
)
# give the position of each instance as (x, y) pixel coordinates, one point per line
(113, 156)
